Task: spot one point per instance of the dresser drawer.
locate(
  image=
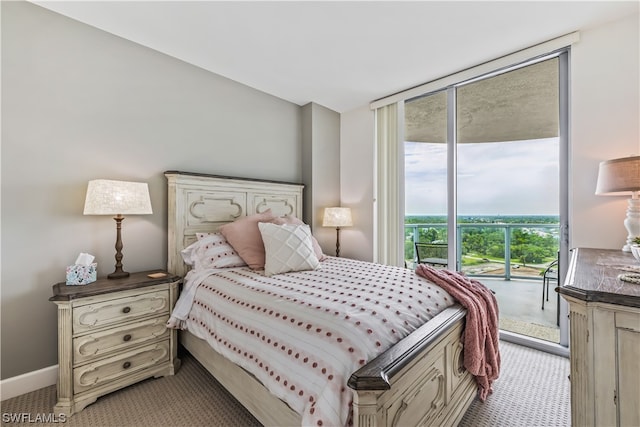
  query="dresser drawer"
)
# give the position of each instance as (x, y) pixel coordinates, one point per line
(119, 366)
(112, 311)
(95, 345)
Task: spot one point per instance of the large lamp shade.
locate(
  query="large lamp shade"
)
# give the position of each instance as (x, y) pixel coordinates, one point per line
(619, 177)
(118, 198)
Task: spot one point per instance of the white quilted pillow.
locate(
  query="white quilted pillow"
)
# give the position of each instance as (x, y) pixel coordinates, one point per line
(287, 248)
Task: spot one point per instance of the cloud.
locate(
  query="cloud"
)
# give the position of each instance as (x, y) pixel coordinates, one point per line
(501, 178)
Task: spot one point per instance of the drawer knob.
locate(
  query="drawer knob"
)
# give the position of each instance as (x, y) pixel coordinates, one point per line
(126, 365)
(126, 337)
(126, 310)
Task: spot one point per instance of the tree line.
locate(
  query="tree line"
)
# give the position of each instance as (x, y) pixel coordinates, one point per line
(528, 245)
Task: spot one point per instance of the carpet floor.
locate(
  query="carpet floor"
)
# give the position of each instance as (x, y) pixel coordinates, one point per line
(533, 390)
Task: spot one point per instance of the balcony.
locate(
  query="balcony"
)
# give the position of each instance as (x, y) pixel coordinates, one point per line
(510, 259)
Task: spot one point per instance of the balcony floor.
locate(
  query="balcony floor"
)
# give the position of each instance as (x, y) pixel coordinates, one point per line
(520, 305)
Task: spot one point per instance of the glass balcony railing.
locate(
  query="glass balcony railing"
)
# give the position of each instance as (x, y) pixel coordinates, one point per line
(501, 250)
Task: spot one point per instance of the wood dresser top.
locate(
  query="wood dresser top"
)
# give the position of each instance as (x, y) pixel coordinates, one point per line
(593, 276)
(62, 292)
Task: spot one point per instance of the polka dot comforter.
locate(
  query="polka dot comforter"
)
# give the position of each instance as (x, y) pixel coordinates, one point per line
(302, 334)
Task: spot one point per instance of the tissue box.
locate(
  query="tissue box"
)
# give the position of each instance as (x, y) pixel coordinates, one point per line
(81, 274)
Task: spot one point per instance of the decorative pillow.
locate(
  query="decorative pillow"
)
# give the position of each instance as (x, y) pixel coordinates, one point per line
(202, 235)
(290, 219)
(211, 251)
(243, 234)
(287, 247)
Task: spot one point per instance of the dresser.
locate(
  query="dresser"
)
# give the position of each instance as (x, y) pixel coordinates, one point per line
(111, 334)
(604, 319)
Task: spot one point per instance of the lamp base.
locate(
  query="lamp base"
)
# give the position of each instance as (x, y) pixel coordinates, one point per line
(632, 221)
(118, 275)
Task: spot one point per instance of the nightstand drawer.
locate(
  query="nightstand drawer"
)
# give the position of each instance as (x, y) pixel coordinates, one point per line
(99, 344)
(112, 311)
(117, 367)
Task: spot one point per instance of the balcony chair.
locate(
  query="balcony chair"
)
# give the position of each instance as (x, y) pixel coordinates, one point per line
(550, 275)
(432, 253)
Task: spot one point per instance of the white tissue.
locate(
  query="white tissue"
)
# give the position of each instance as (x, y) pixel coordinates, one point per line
(84, 259)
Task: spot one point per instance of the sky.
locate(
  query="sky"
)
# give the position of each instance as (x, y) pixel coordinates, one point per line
(494, 178)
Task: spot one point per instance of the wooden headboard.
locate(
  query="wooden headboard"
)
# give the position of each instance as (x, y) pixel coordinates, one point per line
(202, 203)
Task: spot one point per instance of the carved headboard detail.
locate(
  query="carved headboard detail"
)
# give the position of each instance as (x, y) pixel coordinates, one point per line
(202, 203)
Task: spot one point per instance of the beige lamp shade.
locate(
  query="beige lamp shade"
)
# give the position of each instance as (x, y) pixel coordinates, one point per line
(108, 197)
(337, 217)
(619, 176)
(118, 198)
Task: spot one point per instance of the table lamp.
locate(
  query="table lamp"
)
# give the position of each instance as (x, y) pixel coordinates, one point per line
(619, 177)
(337, 217)
(107, 197)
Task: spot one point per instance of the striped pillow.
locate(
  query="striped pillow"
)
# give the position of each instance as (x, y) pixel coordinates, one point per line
(211, 250)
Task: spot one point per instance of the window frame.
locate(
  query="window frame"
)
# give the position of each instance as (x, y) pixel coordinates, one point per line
(389, 209)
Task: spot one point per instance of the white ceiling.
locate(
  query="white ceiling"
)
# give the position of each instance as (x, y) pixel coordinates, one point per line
(341, 55)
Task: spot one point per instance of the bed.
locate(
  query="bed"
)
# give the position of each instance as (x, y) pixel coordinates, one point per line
(420, 380)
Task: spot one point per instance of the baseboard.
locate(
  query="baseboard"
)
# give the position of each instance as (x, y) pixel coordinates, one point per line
(535, 343)
(25, 383)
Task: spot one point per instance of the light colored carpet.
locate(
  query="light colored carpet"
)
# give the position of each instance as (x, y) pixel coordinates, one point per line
(533, 390)
(190, 398)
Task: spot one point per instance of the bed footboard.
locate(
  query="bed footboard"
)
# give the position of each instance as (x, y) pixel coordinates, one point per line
(420, 381)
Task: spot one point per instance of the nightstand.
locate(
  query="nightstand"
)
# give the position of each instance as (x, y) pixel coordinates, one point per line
(111, 334)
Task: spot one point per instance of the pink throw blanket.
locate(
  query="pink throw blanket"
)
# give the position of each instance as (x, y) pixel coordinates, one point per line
(480, 337)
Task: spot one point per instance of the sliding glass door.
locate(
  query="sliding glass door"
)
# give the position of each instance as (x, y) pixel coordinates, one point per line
(425, 177)
(484, 176)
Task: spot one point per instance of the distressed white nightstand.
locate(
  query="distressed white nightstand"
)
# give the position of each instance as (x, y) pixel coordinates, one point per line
(111, 334)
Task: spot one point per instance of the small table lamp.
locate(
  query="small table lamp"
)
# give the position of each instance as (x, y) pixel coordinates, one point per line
(621, 177)
(106, 197)
(337, 217)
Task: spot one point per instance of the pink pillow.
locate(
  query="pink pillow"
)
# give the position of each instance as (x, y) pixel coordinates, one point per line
(290, 219)
(244, 235)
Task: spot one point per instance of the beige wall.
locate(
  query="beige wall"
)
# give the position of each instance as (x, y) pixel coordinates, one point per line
(79, 104)
(605, 115)
(321, 169)
(605, 124)
(357, 184)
